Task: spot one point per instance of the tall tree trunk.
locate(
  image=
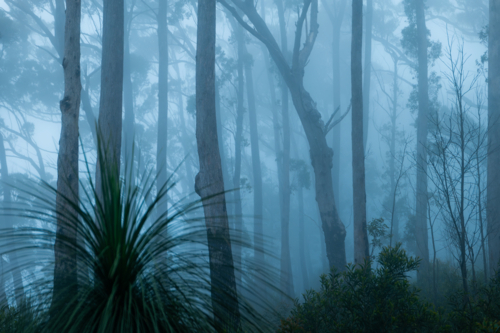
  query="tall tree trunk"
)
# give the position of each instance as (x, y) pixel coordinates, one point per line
(59, 26)
(238, 211)
(480, 204)
(286, 279)
(161, 147)
(392, 159)
(423, 109)
(223, 159)
(337, 24)
(65, 268)
(128, 96)
(184, 134)
(89, 113)
(361, 249)
(209, 183)
(367, 69)
(7, 201)
(110, 106)
(302, 246)
(276, 121)
(258, 231)
(493, 174)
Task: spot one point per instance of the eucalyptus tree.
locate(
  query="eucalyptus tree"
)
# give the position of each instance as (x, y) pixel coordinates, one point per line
(367, 68)
(65, 268)
(286, 279)
(209, 182)
(315, 129)
(109, 124)
(336, 16)
(361, 247)
(161, 145)
(417, 45)
(493, 176)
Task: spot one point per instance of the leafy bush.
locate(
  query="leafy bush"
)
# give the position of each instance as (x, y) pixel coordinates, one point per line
(362, 299)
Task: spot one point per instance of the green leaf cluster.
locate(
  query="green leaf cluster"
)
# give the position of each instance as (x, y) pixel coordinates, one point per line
(361, 299)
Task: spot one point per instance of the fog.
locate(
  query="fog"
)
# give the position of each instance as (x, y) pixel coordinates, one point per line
(270, 149)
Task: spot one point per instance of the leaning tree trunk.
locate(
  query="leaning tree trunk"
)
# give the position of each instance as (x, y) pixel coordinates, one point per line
(65, 268)
(314, 127)
(161, 147)
(110, 107)
(361, 250)
(209, 183)
(423, 108)
(493, 174)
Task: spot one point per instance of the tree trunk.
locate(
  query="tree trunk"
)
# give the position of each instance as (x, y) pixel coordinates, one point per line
(361, 249)
(337, 24)
(59, 27)
(128, 97)
(286, 280)
(302, 246)
(238, 211)
(276, 122)
(186, 145)
(89, 113)
(258, 231)
(65, 268)
(161, 147)
(110, 106)
(493, 176)
(423, 106)
(209, 183)
(392, 158)
(367, 69)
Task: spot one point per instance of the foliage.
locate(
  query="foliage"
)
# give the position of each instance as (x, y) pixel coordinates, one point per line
(364, 300)
(136, 272)
(377, 229)
(21, 319)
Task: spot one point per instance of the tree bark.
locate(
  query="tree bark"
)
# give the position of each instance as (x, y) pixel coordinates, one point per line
(209, 183)
(110, 106)
(258, 231)
(238, 210)
(367, 69)
(423, 107)
(337, 24)
(276, 122)
(161, 147)
(493, 175)
(65, 268)
(286, 279)
(361, 248)
(302, 245)
(128, 95)
(392, 159)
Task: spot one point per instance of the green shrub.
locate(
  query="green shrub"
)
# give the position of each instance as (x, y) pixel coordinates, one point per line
(362, 299)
